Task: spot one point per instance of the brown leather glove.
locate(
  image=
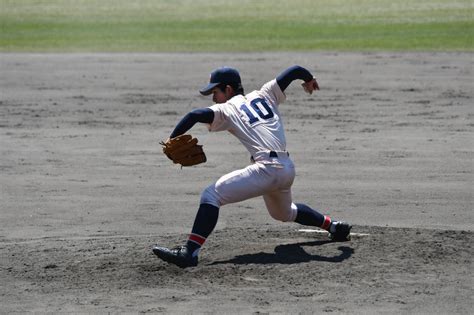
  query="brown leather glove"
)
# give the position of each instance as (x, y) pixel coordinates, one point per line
(184, 150)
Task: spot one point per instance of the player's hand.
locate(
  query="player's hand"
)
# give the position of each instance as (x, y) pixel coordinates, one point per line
(310, 86)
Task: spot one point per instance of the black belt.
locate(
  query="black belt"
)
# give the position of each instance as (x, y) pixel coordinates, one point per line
(273, 154)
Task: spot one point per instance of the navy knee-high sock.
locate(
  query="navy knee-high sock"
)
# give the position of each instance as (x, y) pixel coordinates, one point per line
(308, 216)
(204, 224)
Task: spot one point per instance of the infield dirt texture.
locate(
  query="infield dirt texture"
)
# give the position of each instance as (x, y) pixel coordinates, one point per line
(387, 144)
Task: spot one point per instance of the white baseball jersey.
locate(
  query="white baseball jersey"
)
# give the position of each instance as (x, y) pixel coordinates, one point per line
(254, 119)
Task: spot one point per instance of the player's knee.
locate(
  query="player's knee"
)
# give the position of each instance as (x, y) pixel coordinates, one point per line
(210, 196)
(283, 217)
(280, 217)
(287, 215)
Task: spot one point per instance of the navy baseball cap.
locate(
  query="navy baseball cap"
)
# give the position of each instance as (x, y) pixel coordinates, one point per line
(224, 75)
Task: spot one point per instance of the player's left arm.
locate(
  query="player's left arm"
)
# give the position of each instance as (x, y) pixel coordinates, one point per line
(297, 73)
(202, 115)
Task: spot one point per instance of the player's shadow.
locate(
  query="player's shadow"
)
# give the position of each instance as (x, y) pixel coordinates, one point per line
(289, 254)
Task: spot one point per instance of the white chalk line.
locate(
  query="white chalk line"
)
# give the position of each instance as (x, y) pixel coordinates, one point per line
(322, 231)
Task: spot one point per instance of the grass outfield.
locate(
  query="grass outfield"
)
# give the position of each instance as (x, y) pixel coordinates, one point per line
(218, 25)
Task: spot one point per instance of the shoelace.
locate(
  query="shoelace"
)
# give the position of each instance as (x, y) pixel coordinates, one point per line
(178, 248)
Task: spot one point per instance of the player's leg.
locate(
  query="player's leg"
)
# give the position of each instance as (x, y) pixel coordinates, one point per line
(279, 205)
(281, 208)
(233, 187)
(204, 223)
(311, 217)
(278, 200)
(187, 255)
(339, 230)
(252, 181)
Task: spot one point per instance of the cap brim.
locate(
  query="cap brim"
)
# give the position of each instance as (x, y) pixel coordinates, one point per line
(208, 89)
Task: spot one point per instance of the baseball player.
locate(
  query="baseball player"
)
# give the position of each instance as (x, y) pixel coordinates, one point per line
(255, 120)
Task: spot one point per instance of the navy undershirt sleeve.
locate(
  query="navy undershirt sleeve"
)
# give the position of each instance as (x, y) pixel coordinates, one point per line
(291, 74)
(202, 115)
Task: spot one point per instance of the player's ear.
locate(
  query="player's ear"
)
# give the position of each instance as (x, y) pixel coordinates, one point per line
(229, 91)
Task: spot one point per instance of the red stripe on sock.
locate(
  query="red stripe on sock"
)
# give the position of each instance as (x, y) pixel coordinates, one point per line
(326, 223)
(197, 238)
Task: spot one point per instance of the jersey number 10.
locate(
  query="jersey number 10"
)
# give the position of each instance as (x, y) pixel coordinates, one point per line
(258, 107)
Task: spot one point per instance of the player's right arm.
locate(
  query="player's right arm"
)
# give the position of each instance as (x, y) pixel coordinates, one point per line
(297, 73)
(202, 115)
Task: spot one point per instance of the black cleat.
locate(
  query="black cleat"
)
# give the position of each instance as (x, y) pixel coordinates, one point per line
(178, 256)
(342, 233)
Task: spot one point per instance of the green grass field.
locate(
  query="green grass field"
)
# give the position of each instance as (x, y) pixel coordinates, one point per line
(218, 25)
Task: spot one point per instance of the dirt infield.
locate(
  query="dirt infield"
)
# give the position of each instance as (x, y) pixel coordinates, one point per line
(387, 144)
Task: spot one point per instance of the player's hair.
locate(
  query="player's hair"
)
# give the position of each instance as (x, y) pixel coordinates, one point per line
(236, 86)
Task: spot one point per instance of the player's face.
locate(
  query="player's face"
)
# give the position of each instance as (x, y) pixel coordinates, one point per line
(218, 96)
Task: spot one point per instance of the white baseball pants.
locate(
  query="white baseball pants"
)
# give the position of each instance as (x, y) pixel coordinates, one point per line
(270, 178)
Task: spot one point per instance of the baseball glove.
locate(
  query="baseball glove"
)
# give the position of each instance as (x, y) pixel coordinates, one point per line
(184, 150)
